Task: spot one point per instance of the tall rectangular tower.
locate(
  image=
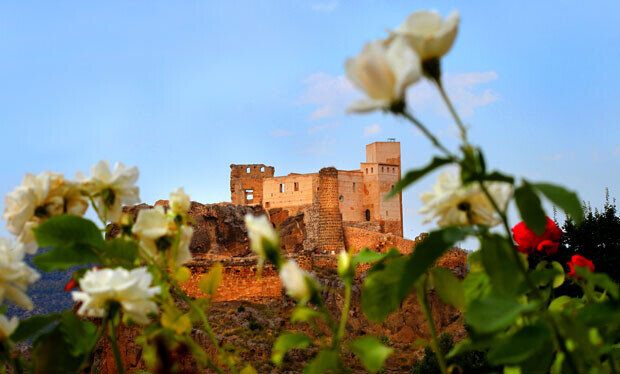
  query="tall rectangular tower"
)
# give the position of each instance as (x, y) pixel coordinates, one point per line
(381, 172)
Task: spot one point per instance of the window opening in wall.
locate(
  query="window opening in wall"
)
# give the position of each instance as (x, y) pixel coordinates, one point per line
(366, 170)
(386, 213)
(367, 215)
(262, 169)
(296, 186)
(249, 194)
(353, 186)
(267, 204)
(371, 170)
(281, 187)
(382, 169)
(392, 187)
(340, 197)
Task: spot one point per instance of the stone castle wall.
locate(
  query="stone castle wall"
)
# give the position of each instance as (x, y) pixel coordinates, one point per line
(331, 234)
(246, 183)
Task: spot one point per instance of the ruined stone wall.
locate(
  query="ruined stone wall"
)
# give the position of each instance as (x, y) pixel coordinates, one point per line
(246, 183)
(289, 192)
(376, 241)
(331, 235)
(239, 282)
(350, 195)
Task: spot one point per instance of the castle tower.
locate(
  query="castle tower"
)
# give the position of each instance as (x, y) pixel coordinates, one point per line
(381, 172)
(246, 183)
(331, 233)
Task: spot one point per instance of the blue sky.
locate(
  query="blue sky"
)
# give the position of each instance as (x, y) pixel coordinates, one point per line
(183, 89)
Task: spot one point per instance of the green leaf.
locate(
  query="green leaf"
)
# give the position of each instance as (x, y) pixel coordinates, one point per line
(78, 334)
(381, 294)
(530, 208)
(498, 262)
(448, 287)
(29, 327)
(546, 272)
(560, 303)
(211, 281)
(68, 228)
(494, 313)
(63, 257)
(370, 352)
(567, 200)
(413, 175)
(366, 255)
(325, 362)
(601, 280)
(248, 369)
(286, 342)
(120, 252)
(521, 345)
(51, 351)
(476, 286)
(430, 250)
(304, 314)
(496, 176)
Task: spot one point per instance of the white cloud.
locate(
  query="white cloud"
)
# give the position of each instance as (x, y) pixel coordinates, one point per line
(279, 133)
(324, 6)
(330, 95)
(319, 128)
(371, 130)
(463, 90)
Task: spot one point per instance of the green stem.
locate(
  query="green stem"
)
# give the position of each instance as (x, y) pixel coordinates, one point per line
(421, 291)
(344, 315)
(428, 134)
(453, 112)
(117, 354)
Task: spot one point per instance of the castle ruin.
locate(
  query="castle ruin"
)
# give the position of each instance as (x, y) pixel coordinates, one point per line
(330, 199)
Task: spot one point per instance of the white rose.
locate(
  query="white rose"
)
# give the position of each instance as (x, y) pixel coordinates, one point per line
(429, 35)
(15, 274)
(179, 201)
(383, 70)
(38, 198)
(260, 229)
(295, 281)
(156, 233)
(130, 288)
(113, 188)
(7, 326)
(458, 205)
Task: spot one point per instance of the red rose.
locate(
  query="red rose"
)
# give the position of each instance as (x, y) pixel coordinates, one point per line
(581, 261)
(71, 284)
(528, 242)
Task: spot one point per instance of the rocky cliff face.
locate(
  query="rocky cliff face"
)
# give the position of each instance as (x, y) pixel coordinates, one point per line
(254, 312)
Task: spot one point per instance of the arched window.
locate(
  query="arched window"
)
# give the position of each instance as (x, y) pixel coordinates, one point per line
(367, 215)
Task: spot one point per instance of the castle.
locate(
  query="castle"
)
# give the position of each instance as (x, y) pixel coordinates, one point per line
(332, 198)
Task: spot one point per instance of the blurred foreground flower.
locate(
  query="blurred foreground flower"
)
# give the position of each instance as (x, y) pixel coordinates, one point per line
(111, 189)
(157, 234)
(179, 201)
(130, 288)
(262, 235)
(428, 34)
(7, 326)
(15, 274)
(38, 198)
(458, 205)
(580, 261)
(383, 70)
(528, 242)
(296, 281)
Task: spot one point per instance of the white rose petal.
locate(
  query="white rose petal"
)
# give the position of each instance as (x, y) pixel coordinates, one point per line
(294, 281)
(15, 274)
(259, 229)
(120, 181)
(130, 288)
(457, 205)
(38, 198)
(383, 70)
(7, 326)
(153, 224)
(179, 201)
(428, 34)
